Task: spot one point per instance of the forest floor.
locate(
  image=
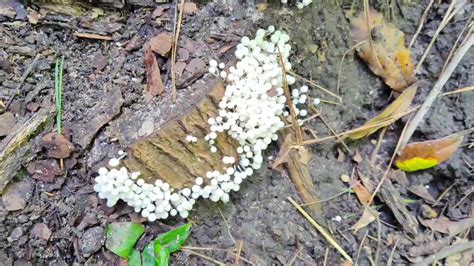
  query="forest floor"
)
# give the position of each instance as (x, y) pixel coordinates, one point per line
(54, 218)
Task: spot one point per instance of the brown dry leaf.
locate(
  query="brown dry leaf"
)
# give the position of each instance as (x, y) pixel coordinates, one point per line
(367, 217)
(44, 170)
(159, 11)
(56, 145)
(426, 154)
(422, 192)
(41, 231)
(92, 36)
(388, 116)
(189, 8)
(154, 85)
(285, 148)
(444, 225)
(161, 43)
(387, 57)
(361, 191)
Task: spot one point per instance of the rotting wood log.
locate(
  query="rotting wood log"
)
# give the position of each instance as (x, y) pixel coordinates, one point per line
(165, 154)
(15, 148)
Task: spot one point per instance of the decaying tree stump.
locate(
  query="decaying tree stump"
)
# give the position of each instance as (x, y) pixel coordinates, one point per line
(167, 155)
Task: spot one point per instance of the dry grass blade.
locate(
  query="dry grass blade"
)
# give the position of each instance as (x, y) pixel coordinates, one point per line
(286, 89)
(310, 82)
(320, 230)
(466, 89)
(420, 24)
(204, 257)
(447, 17)
(174, 50)
(435, 92)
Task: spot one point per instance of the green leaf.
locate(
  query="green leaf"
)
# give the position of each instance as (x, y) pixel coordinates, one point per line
(134, 259)
(174, 239)
(121, 237)
(158, 251)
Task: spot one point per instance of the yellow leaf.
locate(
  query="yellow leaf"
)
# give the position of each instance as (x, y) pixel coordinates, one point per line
(426, 154)
(387, 55)
(388, 116)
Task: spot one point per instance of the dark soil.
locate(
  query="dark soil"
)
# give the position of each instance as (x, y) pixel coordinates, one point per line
(105, 109)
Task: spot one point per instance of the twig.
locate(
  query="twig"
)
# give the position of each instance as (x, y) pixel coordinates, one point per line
(373, 156)
(227, 225)
(320, 229)
(379, 239)
(240, 244)
(22, 80)
(286, 90)
(447, 17)
(360, 247)
(443, 78)
(330, 129)
(467, 26)
(390, 258)
(204, 257)
(444, 193)
(387, 121)
(420, 23)
(294, 257)
(453, 249)
(469, 192)
(466, 89)
(326, 254)
(342, 61)
(174, 51)
(92, 36)
(316, 85)
(327, 199)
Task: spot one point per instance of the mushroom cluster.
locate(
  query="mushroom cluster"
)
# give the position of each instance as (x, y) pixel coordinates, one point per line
(251, 111)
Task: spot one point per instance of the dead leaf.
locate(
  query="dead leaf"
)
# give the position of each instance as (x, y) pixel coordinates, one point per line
(367, 217)
(345, 178)
(134, 43)
(7, 123)
(33, 16)
(285, 148)
(388, 116)
(444, 225)
(426, 154)
(159, 11)
(387, 57)
(161, 43)
(357, 157)
(154, 85)
(341, 156)
(41, 231)
(422, 192)
(189, 8)
(44, 170)
(57, 146)
(362, 192)
(16, 195)
(99, 61)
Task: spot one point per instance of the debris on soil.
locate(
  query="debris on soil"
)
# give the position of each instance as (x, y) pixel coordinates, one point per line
(57, 146)
(161, 44)
(426, 154)
(44, 170)
(7, 123)
(391, 114)
(91, 241)
(154, 85)
(386, 53)
(41, 231)
(16, 195)
(444, 225)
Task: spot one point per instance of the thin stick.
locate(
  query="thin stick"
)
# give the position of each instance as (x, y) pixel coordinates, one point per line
(330, 129)
(240, 244)
(369, 33)
(316, 85)
(294, 257)
(326, 254)
(392, 253)
(342, 60)
(204, 257)
(320, 229)
(286, 90)
(174, 51)
(227, 225)
(468, 25)
(373, 156)
(444, 193)
(387, 121)
(452, 250)
(327, 199)
(22, 80)
(420, 23)
(443, 78)
(447, 17)
(466, 89)
(360, 247)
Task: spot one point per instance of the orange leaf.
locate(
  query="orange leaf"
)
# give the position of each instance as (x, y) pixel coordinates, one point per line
(387, 57)
(426, 154)
(362, 192)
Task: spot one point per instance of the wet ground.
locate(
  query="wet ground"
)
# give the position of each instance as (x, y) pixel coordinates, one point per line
(60, 220)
